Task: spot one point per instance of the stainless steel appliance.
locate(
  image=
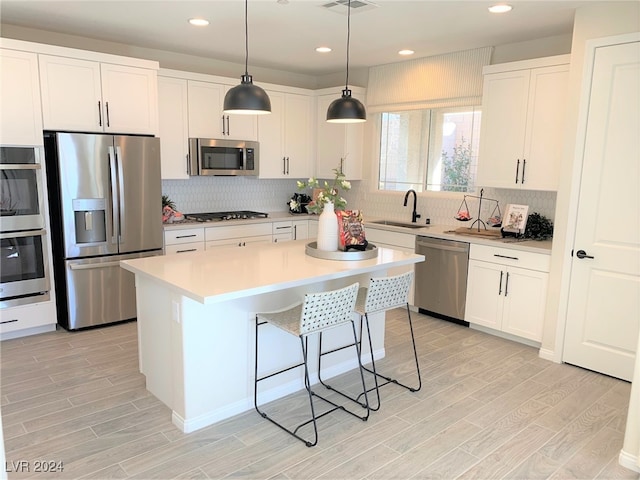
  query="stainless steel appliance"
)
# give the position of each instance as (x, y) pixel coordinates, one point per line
(24, 268)
(222, 157)
(105, 203)
(221, 216)
(441, 280)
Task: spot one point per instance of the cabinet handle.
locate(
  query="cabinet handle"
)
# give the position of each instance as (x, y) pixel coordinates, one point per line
(287, 165)
(99, 113)
(506, 286)
(342, 165)
(106, 105)
(284, 165)
(189, 250)
(186, 236)
(282, 228)
(517, 170)
(13, 320)
(500, 287)
(524, 165)
(228, 126)
(223, 126)
(505, 256)
(295, 232)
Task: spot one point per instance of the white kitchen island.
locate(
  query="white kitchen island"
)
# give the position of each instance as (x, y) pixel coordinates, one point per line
(196, 323)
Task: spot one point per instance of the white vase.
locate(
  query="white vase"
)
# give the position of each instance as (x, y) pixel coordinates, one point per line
(328, 229)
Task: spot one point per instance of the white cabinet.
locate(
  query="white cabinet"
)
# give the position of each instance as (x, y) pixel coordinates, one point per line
(206, 116)
(240, 235)
(173, 127)
(27, 320)
(290, 230)
(21, 118)
(184, 240)
(523, 114)
(285, 136)
(338, 145)
(506, 290)
(300, 229)
(405, 242)
(85, 95)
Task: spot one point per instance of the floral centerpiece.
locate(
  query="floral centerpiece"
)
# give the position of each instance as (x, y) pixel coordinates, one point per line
(330, 192)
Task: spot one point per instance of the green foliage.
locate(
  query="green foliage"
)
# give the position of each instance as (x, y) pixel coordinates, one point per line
(167, 202)
(329, 193)
(538, 227)
(456, 169)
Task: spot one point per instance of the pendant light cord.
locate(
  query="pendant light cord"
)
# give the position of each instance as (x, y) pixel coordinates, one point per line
(246, 37)
(346, 85)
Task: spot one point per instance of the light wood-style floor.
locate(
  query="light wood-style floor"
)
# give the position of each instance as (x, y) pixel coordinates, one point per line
(489, 408)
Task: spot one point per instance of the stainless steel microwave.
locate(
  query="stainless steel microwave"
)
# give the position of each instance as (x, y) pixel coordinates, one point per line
(209, 156)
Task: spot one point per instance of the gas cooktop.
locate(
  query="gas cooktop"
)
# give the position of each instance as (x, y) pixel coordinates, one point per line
(220, 216)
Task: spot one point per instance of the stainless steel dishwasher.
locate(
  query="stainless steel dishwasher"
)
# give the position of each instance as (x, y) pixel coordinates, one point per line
(441, 280)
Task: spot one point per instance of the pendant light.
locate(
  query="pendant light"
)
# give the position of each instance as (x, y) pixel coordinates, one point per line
(347, 109)
(247, 98)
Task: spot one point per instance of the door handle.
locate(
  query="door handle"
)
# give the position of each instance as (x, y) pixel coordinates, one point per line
(99, 114)
(106, 106)
(500, 287)
(582, 254)
(506, 286)
(524, 166)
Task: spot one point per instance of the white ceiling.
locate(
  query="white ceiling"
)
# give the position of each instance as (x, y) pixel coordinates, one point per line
(284, 36)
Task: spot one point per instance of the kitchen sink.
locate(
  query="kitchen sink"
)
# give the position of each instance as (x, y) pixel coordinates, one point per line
(393, 223)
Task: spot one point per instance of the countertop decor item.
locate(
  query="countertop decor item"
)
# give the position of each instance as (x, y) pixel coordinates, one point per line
(370, 252)
(328, 229)
(330, 192)
(538, 227)
(298, 203)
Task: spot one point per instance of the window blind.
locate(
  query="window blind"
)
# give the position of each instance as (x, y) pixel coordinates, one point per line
(449, 80)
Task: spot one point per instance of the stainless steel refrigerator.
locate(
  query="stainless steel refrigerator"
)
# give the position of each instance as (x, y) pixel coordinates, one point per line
(105, 205)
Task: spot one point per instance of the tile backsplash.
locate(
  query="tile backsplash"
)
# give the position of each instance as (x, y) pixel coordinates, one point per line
(210, 194)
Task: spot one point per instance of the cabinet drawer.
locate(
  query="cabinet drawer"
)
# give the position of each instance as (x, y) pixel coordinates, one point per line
(27, 316)
(188, 235)
(282, 227)
(507, 256)
(239, 242)
(376, 236)
(184, 248)
(237, 231)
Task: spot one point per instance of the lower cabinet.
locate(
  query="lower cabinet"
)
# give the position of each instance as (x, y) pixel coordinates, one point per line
(290, 230)
(240, 235)
(506, 290)
(184, 240)
(27, 319)
(404, 242)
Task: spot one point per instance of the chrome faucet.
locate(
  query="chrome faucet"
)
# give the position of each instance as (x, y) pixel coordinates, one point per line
(414, 216)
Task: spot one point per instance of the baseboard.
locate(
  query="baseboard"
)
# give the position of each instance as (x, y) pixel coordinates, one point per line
(547, 354)
(632, 462)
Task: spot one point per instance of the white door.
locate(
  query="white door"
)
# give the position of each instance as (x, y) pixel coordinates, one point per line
(604, 295)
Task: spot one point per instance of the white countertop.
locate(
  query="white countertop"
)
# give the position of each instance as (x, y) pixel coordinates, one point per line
(227, 273)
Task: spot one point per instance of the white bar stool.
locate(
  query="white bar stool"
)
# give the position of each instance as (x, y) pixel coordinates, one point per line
(317, 313)
(382, 294)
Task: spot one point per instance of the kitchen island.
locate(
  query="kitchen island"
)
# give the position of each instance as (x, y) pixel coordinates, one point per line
(196, 323)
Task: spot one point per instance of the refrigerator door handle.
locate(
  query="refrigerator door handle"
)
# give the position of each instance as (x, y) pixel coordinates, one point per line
(115, 214)
(121, 202)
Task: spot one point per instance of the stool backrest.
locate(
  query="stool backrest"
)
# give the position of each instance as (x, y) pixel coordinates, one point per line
(327, 309)
(388, 292)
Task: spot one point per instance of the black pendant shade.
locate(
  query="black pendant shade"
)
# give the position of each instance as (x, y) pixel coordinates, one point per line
(346, 109)
(247, 98)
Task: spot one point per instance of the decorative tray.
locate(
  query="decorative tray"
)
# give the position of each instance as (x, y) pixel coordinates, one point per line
(370, 252)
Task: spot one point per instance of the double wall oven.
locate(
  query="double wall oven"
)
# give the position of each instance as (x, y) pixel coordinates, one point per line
(24, 269)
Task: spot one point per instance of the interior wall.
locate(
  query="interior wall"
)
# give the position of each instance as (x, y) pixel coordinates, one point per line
(590, 22)
(540, 47)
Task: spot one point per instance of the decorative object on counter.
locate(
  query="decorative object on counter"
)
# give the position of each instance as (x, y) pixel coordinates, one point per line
(370, 252)
(538, 227)
(247, 98)
(463, 214)
(328, 229)
(328, 193)
(169, 212)
(352, 235)
(298, 203)
(515, 220)
(347, 109)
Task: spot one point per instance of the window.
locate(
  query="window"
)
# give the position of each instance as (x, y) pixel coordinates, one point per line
(429, 149)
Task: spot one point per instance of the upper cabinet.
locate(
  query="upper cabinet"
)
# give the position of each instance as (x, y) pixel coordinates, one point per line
(21, 122)
(173, 127)
(338, 145)
(86, 95)
(523, 116)
(206, 116)
(285, 136)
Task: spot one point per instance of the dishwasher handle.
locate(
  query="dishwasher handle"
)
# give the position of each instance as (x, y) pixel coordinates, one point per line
(438, 246)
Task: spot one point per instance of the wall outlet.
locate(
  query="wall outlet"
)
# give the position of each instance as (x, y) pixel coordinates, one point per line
(428, 221)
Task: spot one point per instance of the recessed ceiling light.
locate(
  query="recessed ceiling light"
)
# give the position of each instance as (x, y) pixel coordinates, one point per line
(323, 49)
(502, 8)
(406, 52)
(199, 22)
